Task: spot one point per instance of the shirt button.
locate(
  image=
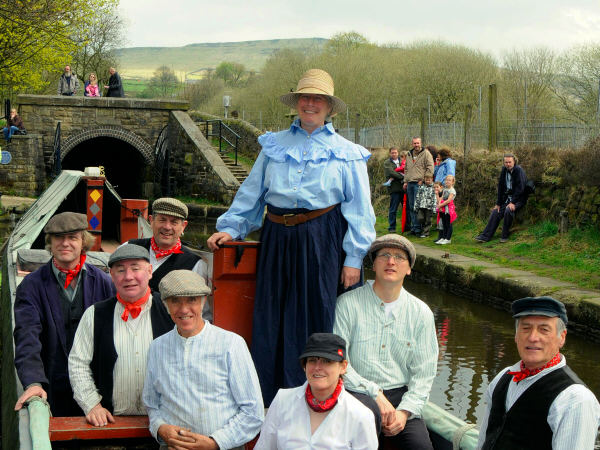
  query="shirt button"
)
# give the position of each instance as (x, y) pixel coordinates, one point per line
(383, 346)
(295, 188)
(304, 153)
(299, 170)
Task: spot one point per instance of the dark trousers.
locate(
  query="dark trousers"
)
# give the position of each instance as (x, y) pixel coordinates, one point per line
(395, 199)
(411, 197)
(447, 231)
(495, 218)
(414, 436)
(424, 217)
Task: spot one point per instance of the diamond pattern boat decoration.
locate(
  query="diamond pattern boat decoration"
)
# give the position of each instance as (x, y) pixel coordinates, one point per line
(94, 222)
(95, 195)
(94, 209)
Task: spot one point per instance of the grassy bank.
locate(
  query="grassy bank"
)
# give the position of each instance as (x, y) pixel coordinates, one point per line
(573, 257)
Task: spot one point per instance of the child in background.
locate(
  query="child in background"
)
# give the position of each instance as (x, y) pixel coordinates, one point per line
(400, 168)
(447, 210)
(438, 187)
(426, 204)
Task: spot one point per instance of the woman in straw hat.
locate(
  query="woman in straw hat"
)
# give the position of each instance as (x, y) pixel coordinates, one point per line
(318, 228)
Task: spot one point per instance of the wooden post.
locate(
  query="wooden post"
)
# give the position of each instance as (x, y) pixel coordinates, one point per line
(493, 118)
(563, 225)
(424, 129)
(467, 143)
(357, 129)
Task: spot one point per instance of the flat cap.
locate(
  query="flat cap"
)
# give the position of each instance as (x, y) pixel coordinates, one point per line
(66, 222)
(128, 251)
(182, 283)
(539, 306)
(170, 207)
(394, 241)
(325, 345)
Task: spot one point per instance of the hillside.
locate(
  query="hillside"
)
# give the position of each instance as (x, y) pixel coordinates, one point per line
(142, 61)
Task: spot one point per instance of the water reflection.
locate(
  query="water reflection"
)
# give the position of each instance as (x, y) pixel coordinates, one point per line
(476, 342)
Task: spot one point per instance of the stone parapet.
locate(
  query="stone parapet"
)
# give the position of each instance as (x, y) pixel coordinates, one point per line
(25, 174)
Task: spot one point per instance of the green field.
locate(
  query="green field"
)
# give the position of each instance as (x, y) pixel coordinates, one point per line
(141, 62)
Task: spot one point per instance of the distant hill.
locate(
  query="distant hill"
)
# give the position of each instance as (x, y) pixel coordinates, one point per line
(142, 61)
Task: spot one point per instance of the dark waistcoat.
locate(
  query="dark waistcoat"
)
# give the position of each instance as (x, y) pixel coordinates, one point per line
(72, 310)
(105, 354)
(525, 425)
(186, 260)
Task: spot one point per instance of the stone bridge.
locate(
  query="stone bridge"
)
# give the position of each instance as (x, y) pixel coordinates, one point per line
(147, 147)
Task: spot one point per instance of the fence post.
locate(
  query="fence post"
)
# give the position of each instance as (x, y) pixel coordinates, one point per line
(357, 129)
(467, 144)
(493, 118)
(424, 129)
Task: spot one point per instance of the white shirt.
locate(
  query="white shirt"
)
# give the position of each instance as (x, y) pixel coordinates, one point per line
(132, 340)
(574, 416)
(206, 383)
(388, 352)
(349, 425)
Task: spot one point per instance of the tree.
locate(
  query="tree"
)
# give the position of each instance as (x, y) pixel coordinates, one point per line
(201, 92)
(230, 72)
(37, 37)
(164, 82)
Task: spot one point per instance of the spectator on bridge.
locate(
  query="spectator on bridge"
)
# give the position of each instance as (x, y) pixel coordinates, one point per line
(318, 228)
(91, 87)
(13, 126)
(115, 86)
(446, 165)
(68, 84)
(48, 307)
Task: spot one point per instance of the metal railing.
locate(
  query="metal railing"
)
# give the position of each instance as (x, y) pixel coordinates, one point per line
(222, 129)
(57, 162)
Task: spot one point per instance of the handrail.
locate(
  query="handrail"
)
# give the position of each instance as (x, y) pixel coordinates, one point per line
(57, 162)
(222, 138)
(39, 420)
(463, 436)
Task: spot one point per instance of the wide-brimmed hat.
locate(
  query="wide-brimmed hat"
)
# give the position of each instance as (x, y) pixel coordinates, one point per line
(325, 345)
(315, 81)
(393, 240)
(539, 306)
(66, 222)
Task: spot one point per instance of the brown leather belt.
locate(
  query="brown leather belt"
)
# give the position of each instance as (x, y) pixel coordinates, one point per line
(290, 220)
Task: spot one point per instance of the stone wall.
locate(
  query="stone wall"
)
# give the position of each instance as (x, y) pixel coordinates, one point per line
(24, 175)
(195, 167)
(142, 117)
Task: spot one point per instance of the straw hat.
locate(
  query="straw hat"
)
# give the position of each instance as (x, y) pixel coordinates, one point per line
(315, 81)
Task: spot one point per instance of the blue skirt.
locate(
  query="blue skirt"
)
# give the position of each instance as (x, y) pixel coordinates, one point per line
(297, 285)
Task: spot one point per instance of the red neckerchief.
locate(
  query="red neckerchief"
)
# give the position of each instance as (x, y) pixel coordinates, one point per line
(134, 308)
(525, 372)
(325, 405)
(162, 253)
(71, 274)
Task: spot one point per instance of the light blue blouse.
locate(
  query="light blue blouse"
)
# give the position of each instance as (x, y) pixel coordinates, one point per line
(313, 171)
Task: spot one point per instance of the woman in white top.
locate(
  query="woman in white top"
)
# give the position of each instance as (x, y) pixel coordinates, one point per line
(320, 414)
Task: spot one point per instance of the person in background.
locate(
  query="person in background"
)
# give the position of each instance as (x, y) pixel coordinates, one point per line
(318, 228)
(107, 364)
(48, 307)
(320, 413)
(201, 388)
(445, 167)
(447, 211)
(426, 205)
(434, 154)
(539, 402)
(439, 190)
(418, 164)
(114, 86)
(13, 126)
(393, 169)
(377, 321)
(68, 84)
(91, 88)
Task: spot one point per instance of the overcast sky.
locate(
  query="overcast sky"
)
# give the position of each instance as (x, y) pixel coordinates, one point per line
(492, 25)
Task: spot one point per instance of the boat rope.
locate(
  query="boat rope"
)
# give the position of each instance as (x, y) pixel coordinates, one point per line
(135, 211)
(459, 434)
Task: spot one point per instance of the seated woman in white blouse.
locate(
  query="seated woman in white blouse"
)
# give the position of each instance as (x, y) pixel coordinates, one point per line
(320, 414)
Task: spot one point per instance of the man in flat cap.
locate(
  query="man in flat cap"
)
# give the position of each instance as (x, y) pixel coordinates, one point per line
(539, 402)
(107, 364)
(201, 388)
(168, 221)
(48, 306)
(392, 345)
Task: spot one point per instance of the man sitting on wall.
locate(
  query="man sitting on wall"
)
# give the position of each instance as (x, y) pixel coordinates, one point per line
(107, 364)
(48, 307)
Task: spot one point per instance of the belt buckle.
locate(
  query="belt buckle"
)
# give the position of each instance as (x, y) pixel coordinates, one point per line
(285, 219)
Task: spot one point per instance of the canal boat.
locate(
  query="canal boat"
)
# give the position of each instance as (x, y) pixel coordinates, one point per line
(114, 220)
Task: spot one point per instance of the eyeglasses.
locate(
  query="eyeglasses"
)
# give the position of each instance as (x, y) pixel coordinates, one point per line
(397, 256)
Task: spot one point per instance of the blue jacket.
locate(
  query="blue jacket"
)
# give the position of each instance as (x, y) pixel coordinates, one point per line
(41, 354)
(446, 167)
